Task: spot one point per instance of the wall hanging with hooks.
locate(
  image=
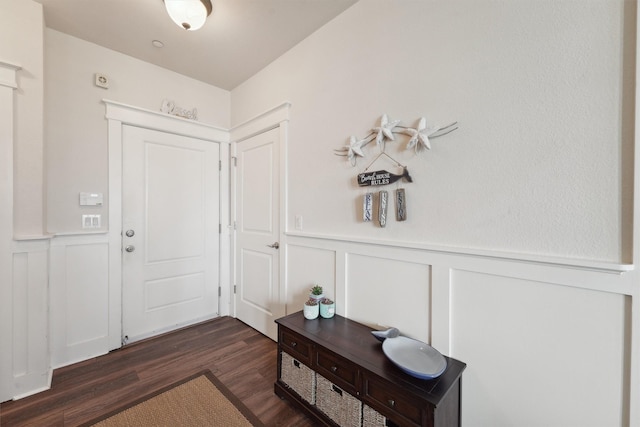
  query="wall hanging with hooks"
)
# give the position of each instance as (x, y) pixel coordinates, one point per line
(419, 140)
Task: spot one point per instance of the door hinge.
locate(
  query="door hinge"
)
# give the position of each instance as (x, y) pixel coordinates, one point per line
(235, 160)
(219, 165)
(219, 228)
(234, 289)
(219, 291)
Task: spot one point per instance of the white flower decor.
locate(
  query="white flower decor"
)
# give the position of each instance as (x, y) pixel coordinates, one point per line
(354, 149)
(420, 137)
(385, 130)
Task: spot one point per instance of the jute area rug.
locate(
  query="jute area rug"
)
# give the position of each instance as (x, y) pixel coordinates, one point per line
(199, 400)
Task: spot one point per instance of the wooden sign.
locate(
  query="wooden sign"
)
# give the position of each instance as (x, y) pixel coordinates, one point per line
(382, 208)
(382, 177)
(401, 205)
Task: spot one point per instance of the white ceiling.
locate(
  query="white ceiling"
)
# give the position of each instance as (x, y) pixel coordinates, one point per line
(240, 37)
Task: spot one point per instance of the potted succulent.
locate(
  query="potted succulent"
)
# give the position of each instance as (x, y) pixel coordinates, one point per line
(327, 308)
(316, 293)
(311, 309)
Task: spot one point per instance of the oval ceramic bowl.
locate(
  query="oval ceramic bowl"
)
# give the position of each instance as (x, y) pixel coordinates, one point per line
(416, 358)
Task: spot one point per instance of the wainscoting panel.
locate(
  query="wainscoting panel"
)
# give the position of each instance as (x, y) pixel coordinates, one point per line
(79, 298)
(309, 266)
(548, 345)
(545, 343)
(389, 292)
(30, 368)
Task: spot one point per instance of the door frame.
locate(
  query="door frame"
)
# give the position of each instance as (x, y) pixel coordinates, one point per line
(118, 115)
(277, 117)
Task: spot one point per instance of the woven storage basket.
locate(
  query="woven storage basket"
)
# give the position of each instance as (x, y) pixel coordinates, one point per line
(372, 418)
(299, 378)
(337, 404)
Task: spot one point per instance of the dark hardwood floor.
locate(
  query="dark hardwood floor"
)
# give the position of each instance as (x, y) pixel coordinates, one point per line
(243, 359)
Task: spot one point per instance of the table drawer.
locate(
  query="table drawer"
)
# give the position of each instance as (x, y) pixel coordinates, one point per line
(296, 345)
(392, 401)
(338, 370)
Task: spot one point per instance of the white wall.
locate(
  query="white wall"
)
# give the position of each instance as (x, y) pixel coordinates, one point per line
(76, 129)
(541, 168)
(543, 94)
(516, 256)
(24, 359)
(21, 43)
(85, 315)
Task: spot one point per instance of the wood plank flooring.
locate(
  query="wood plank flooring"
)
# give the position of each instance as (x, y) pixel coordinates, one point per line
(243, 359)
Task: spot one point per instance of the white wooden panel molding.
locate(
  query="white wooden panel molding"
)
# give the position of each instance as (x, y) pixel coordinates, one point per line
(118, 115)
(24, 359)
(526, 341)
(634, 334)
(6, 234)
(468, 253)
(31, 371)
(263, 122)
(505, 318)
(319, 267)
(79, 298)
(389, 291)
(136, 116)
(6, 226)
(596, 276)
(440, 307)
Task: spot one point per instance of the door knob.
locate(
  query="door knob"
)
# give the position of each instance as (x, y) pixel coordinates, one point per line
(130, 248)
(275, 245)
(130, 233)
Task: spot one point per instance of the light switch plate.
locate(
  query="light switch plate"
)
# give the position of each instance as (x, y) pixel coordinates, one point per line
(91, 221)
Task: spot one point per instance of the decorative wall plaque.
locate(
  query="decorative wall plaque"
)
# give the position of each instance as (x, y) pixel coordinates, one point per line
(382, 208)
(382, 177)
(368, 207)
(401, 205)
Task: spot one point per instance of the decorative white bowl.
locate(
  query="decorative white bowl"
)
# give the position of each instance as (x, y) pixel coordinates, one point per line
(416, 358)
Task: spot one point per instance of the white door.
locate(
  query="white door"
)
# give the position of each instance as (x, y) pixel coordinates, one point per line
(170, 237)
(258, 297)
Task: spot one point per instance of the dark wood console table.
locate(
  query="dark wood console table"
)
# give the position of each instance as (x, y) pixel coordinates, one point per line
(335, 371)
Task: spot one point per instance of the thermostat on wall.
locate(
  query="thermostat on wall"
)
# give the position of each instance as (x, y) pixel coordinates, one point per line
(90, 199)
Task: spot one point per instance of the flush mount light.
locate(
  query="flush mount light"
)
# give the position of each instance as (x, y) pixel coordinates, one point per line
(158, 44)
(189, 14)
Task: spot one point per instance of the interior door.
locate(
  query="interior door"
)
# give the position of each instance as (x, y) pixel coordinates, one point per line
(258, 297)
(170, 237)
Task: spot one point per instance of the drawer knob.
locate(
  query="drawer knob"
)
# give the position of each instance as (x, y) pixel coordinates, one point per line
(392, 402)
(334, 369)
(293, 344)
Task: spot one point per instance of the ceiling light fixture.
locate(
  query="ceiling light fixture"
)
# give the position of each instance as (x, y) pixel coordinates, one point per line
(188, 14)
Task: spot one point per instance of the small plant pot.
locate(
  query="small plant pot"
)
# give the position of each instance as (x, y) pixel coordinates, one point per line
(327, 308)
(311, 311)
(316, 293)
(316, 298)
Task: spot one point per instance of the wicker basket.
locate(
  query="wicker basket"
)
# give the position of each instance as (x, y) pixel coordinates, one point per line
(372, 418)
(299, 378)
(337, 404)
